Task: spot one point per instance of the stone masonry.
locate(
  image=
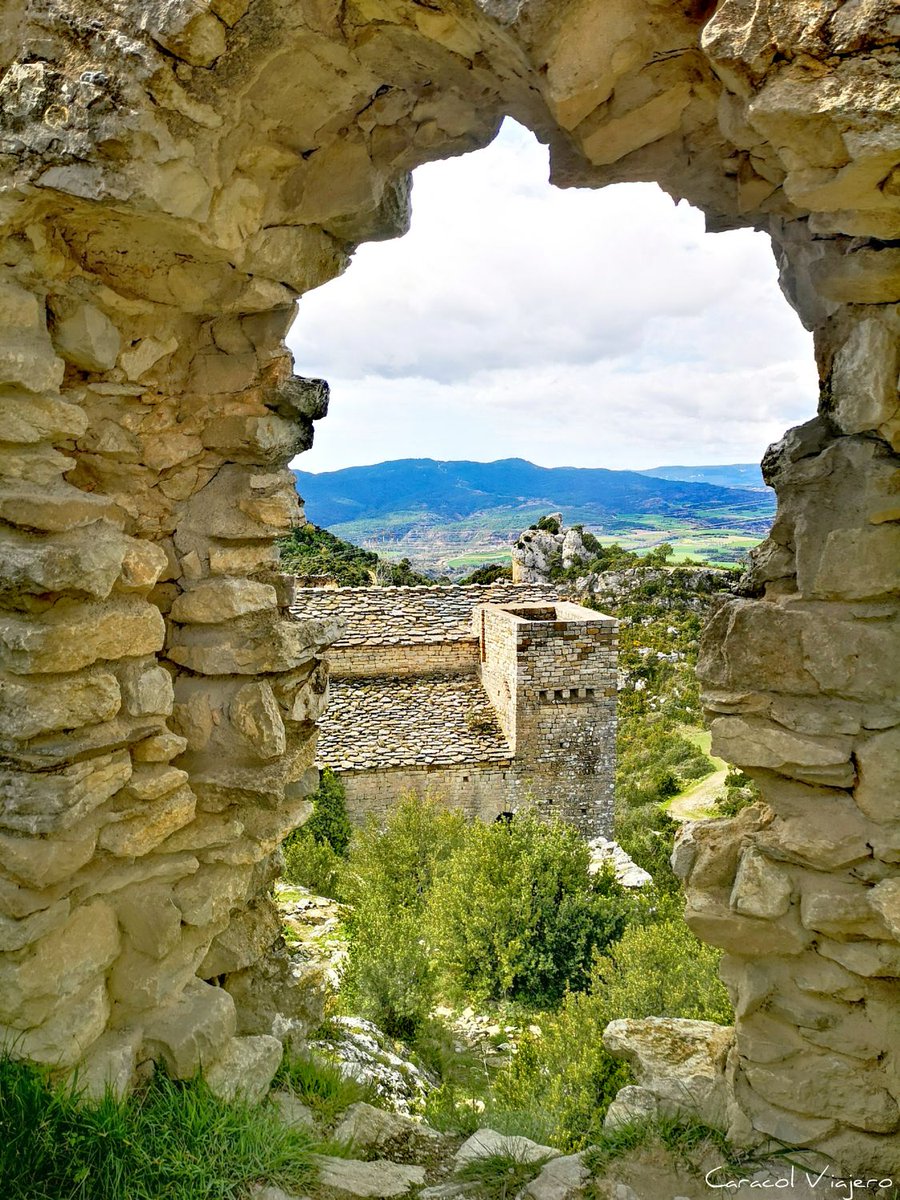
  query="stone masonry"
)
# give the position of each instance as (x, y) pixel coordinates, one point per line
(175, 173)
(488, 697)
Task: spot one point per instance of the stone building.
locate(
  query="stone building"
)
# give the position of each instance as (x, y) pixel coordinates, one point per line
(490, 697)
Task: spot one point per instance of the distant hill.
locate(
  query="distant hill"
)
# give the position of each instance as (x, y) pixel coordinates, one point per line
(456, 515)
(452, 490)
(737, 475)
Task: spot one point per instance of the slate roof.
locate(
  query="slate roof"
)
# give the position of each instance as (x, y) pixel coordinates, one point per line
(381, 616)
(382, 723)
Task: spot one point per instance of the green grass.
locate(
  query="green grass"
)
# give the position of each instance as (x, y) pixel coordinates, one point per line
(320, 1085)
(498, 1176)
(685, 1139)
(169, 1139)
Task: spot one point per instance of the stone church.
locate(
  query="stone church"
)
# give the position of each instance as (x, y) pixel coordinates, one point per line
(491, 697)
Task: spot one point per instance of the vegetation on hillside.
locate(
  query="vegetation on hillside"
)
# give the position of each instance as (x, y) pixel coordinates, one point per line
(310, 551)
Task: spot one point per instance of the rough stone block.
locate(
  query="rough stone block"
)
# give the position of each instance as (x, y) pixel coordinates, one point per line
(108, 1068)
(86, 337)
(73, 634)
(828, 1086)
(62, 1040)
(41, 862)
(45, 802)
(215, 600)
(877, 791)
(18, 933)
(139, 835)
(150, 918)
(73, 953)
(245, 1069)
(193, 1031)
(29, 707)
(682, 1063)
(761, 889)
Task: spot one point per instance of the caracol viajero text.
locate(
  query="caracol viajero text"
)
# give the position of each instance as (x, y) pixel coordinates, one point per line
(175, 174)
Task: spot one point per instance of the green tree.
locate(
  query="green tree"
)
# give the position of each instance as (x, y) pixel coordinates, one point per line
(514, 913)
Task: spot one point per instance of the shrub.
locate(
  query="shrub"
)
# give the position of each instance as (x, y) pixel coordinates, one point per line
(313, 865)
(662, 970)
(388, 976)
(394, 866)
(314, 854)
(329, 821)
(515, 915)
(653, 970)
(169, 1139)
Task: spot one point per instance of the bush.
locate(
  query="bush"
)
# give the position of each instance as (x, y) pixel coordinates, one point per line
(329, 821)
(662, 970)
(314, 854)
(388, 976)
(515, 915)
(653, 970)
(314, 865)
(169, 1139)
(393, 866)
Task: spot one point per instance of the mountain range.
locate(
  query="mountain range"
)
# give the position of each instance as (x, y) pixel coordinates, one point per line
(459, 513)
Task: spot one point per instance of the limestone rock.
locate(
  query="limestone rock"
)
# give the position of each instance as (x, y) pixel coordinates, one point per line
(681, 1063)
(71, 634)
(193, 1030)
(378, 1178)
(292, 1111)
(109, 1066)
(31, 706)
(245, 1069)
(45, 803)
(213, 601)
(485, 1143)
(560, 1179)
(86, 337)
(395, 1136)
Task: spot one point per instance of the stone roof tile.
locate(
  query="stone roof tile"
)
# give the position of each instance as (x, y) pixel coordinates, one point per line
(381, 723)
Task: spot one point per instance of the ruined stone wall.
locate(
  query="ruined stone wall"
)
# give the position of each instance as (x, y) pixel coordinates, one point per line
(174, 175)
(415, 658)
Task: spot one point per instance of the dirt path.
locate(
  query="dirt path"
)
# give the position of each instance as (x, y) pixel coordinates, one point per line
(698, 800)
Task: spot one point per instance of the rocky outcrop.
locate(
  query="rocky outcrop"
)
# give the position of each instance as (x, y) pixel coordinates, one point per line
(175, 175)
(547, 548)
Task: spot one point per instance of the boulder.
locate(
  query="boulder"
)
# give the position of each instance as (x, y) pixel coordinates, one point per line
(246, 1069)
(485, 1143)
(378, 1178)
(560, 1179)
(369, 1128)
(680, 1063)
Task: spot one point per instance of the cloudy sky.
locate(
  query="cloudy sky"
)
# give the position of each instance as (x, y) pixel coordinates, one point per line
(571, 328)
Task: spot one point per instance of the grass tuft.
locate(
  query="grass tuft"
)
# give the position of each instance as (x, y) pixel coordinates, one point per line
(169, 1139)
(321, 1086)
(499, 1176)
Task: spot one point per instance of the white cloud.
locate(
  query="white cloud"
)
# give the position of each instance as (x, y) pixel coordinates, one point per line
(585, 328)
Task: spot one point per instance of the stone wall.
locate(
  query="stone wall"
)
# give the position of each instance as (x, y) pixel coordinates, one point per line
(175, 174)
(414, 658)
(481, 790)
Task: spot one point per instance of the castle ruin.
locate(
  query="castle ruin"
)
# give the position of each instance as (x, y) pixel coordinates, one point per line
(489, 697)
